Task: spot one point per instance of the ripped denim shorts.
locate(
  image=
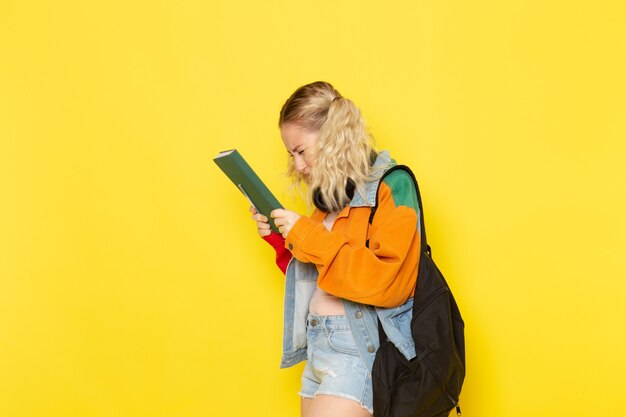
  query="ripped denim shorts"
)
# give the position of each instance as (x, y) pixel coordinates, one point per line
(334, 365)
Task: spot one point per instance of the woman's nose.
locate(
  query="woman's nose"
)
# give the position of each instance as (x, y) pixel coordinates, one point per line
(300, 164)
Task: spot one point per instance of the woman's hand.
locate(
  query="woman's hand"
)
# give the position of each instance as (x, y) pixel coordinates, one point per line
(263, 227)
(284, 219)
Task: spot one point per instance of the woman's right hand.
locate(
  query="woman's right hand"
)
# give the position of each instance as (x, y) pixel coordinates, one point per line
(263, 227)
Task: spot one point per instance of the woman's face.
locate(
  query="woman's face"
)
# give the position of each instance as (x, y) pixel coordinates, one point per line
(300, 144)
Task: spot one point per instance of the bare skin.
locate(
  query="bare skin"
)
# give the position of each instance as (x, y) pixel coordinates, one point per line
(329, 406)
(284, 219)
(262, 225)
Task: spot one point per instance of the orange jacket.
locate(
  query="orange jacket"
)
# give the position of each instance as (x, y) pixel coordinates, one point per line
(382, 275)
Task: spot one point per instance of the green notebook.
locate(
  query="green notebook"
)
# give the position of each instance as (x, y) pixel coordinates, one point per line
(248, 182)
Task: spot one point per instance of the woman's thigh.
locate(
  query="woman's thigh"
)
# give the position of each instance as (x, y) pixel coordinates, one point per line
(330, 406)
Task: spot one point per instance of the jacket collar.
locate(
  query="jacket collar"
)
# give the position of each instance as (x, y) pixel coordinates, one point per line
(383, 163)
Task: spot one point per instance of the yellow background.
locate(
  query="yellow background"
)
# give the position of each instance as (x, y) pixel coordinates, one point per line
(132, 282)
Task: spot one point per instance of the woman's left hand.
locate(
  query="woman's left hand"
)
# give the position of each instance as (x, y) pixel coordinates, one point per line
(284, 219)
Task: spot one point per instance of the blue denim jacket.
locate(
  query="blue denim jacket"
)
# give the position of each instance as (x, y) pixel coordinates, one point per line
(301, 282)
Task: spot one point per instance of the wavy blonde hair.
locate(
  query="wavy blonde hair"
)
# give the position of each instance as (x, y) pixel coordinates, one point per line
(344, 148)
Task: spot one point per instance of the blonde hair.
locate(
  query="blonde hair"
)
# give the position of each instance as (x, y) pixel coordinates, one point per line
(344, 148)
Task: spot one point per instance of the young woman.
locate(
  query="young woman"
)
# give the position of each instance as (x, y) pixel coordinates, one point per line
(343, 274)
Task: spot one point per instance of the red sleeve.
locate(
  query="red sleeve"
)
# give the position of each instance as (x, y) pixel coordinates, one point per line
(282, 253)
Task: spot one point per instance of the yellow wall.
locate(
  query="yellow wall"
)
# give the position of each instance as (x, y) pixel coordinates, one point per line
(131, 279)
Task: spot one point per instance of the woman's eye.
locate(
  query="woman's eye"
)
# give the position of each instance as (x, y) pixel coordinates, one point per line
(301, 152)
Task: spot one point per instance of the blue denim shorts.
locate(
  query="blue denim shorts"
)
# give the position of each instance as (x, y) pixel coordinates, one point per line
(334, 365)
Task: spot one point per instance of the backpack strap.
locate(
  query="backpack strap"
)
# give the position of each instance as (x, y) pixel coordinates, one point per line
(424, 247)
(423, 244)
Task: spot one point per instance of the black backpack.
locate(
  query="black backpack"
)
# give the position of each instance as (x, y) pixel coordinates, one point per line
(428, 385)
